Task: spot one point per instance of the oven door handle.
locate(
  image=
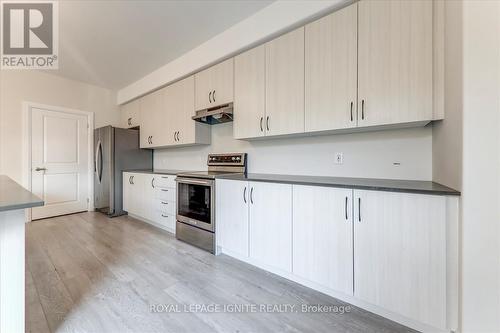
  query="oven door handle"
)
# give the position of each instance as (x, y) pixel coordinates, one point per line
(194, 181)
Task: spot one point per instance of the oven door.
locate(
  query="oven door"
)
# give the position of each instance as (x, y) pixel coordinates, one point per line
(195, 202)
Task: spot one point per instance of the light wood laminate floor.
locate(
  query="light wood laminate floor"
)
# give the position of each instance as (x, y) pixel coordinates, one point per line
(89, 273)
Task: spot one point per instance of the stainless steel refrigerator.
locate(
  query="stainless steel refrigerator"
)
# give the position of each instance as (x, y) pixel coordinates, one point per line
(116, 150)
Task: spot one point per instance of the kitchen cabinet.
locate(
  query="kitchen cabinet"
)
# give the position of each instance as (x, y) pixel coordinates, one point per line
(394, 62)
(214, 85)
(400, 253)
(232, 200)
(181, 129)
(153, 112)
(270, 219)
(249, 93)
(331, 71)
(322, 236)
(130, 114)
(285, 84)
(167, 117)
(151, 198)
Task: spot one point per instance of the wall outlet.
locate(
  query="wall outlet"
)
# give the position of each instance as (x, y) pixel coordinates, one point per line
(339, 158)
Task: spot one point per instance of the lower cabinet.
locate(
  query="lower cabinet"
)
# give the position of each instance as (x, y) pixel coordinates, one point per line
(254, 220)
(382, 250)
(151, 198)
(322, 236)
(400, 253)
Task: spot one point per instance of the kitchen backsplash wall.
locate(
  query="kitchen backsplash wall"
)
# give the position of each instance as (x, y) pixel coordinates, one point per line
(396, 154)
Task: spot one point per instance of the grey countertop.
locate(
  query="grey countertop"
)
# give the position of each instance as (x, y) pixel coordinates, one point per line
(390, 185)
(13, 196)
(158, 171)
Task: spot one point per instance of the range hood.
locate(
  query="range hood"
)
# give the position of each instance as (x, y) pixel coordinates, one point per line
(215, 115)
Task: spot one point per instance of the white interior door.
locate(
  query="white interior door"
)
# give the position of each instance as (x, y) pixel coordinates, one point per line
(59, 167)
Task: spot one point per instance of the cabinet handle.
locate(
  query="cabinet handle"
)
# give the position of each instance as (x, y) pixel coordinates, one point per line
(352, 117)
(346, 216)
(153, 183)
(178, 139)
(363, 109)
(130, 180)
(164, 177)
(261, 119)
(164, 190)
(267, 123)
(133, 180)
(210, 97)
(251, 195)
(151, 139)
(164, 203)
(213, 96)
(163, 215)
(245, 195)
(359, 209)
(129, 121)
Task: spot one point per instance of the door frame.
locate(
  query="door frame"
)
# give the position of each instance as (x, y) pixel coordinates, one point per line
(26, 135)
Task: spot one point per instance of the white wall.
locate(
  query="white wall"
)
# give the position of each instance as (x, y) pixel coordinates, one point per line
(365, 154)
(481, 167)
(447, 134)
(17, 86)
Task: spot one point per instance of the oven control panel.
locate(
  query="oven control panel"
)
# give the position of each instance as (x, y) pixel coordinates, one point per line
(237, 159)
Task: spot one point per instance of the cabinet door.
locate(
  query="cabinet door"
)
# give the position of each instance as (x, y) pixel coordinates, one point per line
(331, 71)
(223, 82)
(322, 236)
(271, 224)
(134, 195)
(285, 84)
(395, 62)
(232, 216)
(249, 93)
(130, 115)
(400, 253)
(148, 197)
(214, 85)
(127, 191)
(151, 110)
(182, 111)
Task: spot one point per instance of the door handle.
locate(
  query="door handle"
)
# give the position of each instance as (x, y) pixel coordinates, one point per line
(245, 195)
(346, 216)
(251, 195)
(363, 109)
(359, 209)
(98, 161)
(40, 169)
(267, 123)
(210, 97)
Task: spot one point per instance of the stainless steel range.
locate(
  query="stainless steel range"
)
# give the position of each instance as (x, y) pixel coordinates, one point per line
(196, 199)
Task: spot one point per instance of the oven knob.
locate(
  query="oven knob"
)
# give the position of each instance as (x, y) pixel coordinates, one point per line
(233, 158)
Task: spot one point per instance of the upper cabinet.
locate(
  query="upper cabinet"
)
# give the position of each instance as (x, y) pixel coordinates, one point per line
(130, 114)
(214, 86)
(331, 71)
(285, 84)
(167, 117)
(249, 93)
(394, 62)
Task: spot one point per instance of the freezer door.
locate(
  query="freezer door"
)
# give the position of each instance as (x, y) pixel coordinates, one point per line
(103, 149)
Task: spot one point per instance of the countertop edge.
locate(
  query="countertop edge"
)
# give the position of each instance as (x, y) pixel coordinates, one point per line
(450, 192)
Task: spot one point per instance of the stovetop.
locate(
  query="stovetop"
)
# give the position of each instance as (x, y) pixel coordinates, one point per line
(220, 164)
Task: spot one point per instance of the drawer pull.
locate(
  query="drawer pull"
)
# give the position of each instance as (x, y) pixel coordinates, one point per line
(163, 215)
(164, 190)
(164, 203)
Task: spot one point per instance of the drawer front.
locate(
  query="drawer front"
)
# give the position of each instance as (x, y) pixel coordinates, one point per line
(165, 206)
(166, 220)
(167, 194)
(164, 181)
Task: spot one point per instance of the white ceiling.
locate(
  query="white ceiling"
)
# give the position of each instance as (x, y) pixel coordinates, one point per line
(113, 43)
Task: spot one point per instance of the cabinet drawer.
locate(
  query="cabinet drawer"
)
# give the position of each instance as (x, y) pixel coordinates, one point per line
(167, 194)
(164, 181)
(166, 220)
(165, 206)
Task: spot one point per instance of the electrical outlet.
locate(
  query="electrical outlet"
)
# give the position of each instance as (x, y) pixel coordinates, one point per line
(339, 158)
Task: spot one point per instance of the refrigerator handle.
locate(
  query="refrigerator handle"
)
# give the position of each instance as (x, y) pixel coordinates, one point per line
(98, 161)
